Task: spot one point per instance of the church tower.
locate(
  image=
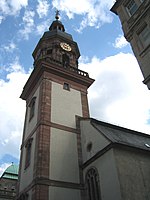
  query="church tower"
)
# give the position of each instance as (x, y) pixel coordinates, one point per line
(55, 94)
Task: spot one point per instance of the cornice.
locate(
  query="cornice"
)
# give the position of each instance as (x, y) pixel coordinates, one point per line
(73, 74)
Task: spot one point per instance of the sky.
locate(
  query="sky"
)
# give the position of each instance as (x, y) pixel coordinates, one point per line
(117, 96)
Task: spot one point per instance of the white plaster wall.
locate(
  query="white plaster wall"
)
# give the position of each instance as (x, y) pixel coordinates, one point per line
(63, 156)
(27, 174)
(108, 176)
(90, 135)
(65, 105)
(56, 193)
(30, 125)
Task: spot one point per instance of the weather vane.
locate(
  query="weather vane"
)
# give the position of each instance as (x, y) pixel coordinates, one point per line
(57, 14)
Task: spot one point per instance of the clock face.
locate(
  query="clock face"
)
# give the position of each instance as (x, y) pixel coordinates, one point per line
(65, 46)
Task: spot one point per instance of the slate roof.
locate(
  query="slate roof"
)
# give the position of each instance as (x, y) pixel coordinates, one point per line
(120, 135)
(57, 33)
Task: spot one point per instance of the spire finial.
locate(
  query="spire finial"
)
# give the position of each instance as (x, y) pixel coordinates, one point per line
(57, 15)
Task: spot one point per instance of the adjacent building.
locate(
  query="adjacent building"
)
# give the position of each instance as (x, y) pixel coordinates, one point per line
(115, 162)
(65, 154)
(135, 19)
(8, 182)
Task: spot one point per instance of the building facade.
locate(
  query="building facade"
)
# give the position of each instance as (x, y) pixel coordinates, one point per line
(135, 19)
(64, 153)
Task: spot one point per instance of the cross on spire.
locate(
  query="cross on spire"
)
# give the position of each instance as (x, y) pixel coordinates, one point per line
(57, 14)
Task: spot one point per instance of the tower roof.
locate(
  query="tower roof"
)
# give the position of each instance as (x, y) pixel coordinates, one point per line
(57, 24)
(11, 172)
(56, 30)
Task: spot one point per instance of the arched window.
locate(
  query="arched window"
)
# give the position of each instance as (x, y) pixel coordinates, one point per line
(32, 108)
(65, 60)
(24, 196)
(28, 152)
(92, 182)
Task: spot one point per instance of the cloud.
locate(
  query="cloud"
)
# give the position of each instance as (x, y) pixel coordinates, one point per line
(118, 95)
(1, 18)
(10, 47)
(93, 12)
(42, 8)
(5, 49)
(12, 110)
(12, 7)
(120, 42)
(28, 24)
(42, 27)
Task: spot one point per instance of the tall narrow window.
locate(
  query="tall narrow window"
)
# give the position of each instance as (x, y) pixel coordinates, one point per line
(28, 152)
(131, 7)
(32, 108)
(65, 60)
(144, 36)
(92, 181)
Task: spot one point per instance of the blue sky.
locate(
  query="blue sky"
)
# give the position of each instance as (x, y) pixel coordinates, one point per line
(117, 96)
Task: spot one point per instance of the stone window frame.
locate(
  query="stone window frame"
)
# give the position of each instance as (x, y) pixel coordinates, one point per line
(65, 60)
(66, 86)
(129, 9)
(28, 147)
(143, 34)
(92, 184)
(32, 108)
